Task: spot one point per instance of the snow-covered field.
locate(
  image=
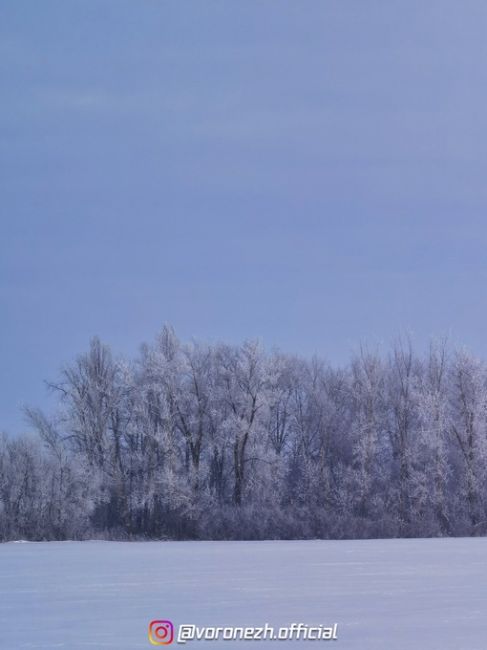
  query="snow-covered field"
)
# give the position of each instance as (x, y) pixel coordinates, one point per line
(393, 594)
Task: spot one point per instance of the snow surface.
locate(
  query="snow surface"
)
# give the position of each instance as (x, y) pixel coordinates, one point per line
(384, 594)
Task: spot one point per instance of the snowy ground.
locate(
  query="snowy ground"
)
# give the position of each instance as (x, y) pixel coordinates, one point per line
(394, 594)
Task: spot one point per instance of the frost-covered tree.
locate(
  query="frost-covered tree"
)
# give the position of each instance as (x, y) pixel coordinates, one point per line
(468, 424)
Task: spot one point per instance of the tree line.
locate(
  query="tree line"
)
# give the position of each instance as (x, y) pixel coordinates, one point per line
(200, 441)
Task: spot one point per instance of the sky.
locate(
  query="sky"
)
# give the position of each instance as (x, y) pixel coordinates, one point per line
(309, 173)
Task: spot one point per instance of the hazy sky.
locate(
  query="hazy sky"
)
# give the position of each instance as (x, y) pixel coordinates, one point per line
(312, 173)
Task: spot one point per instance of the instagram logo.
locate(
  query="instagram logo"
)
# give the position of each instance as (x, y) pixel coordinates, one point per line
(161, 632)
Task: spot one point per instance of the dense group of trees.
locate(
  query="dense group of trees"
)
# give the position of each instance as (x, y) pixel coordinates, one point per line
(193, 441)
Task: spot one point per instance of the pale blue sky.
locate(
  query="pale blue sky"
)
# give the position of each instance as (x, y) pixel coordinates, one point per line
(312, 173)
